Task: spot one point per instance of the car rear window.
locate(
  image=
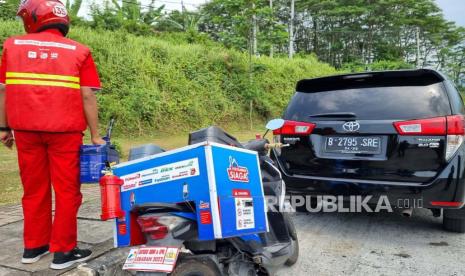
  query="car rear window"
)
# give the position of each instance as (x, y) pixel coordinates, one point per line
(373, 103)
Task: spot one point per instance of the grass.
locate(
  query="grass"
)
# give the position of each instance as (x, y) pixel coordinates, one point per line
(169, 84)
(10, 185)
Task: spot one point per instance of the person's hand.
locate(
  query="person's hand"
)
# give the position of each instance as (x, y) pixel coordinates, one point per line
(98, 140)
(7, 139)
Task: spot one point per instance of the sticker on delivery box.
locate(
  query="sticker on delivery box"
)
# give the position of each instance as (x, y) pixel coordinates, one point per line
(245, 218)
(237, 173)
(152, 258)
(161, 174)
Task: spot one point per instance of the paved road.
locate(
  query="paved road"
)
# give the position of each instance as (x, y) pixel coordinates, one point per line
(331, 244)
(93, 233)
(376, 244)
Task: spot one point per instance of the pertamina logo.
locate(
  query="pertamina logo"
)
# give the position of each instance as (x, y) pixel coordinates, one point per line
(237, 173)
(132, 177)
(132, 256)
(131, 181)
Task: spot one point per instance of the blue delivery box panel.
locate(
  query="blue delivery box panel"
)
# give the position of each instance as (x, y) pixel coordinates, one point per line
(223, 182)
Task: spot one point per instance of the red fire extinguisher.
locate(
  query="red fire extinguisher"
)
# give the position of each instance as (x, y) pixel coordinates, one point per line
(110, 196)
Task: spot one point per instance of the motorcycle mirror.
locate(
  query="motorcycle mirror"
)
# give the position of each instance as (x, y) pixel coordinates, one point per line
(275, 124)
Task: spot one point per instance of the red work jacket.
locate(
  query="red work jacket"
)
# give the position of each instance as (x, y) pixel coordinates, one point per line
(43, 74)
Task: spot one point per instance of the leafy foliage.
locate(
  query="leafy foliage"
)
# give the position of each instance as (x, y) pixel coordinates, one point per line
(174, 62)
(378, 66)
(230, 21)
(73, 8)
(345, 33)
(129, 15)
(157, 83)
(185, 21)
(8, 9)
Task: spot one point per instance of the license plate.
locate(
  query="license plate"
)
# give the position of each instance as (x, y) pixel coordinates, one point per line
(152, 258)
(355, 144)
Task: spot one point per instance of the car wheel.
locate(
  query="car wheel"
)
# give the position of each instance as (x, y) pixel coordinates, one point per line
(295, 241)
(454, 220)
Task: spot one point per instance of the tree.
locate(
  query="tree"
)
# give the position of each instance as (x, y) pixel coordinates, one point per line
(454, 60)
(343, 33)
(130, 15)
(184, 21)
(73, 9)
(232, 22)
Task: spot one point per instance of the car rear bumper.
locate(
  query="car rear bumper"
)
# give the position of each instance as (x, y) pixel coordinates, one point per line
(447, 188)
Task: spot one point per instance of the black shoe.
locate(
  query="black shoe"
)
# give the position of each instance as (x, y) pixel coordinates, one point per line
(62, 260)
(32, 255)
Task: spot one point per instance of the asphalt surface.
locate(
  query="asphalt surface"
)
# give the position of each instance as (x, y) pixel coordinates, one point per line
(376, 244)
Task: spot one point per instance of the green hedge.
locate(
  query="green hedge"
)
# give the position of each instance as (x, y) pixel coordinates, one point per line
(157, 84)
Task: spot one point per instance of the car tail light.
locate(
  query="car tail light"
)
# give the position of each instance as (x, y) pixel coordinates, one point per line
(157, 227)
(455, 133)
(433, 126)
(452, 126)
(446, 203)
(295, 128)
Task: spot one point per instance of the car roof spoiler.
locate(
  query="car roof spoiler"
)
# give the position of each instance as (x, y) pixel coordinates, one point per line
(420, 77)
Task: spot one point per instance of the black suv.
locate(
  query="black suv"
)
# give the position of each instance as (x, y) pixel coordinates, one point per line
(393, 133)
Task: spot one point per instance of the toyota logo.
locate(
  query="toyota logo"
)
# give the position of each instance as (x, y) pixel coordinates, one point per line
(351, 126)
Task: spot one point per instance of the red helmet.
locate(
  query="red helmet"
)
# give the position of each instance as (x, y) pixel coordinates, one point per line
(39, 15)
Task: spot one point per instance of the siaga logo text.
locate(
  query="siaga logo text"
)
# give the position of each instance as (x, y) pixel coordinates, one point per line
(237, 173)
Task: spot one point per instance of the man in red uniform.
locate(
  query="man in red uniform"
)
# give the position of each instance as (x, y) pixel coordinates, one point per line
(47, 98)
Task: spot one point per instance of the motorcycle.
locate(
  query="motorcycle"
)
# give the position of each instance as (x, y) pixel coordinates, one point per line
(175, 225)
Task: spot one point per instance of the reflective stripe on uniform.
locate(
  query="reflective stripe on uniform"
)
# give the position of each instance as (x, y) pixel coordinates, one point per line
(18, 78)
(42, 83)
(42, 76)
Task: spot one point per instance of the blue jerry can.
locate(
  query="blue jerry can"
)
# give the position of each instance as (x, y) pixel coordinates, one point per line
(93, 159)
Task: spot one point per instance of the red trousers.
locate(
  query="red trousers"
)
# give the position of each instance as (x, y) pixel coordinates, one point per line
(47, 159)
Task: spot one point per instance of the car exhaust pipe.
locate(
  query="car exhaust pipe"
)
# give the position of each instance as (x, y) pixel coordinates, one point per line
(407, 212)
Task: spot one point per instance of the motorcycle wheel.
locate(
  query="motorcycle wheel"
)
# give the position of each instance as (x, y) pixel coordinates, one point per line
(195, 267)
(295, 241)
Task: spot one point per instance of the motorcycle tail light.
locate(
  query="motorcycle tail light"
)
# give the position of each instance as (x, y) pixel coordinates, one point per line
(157, 227)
